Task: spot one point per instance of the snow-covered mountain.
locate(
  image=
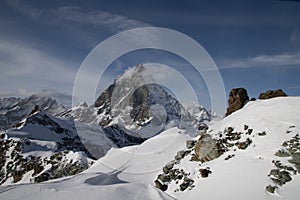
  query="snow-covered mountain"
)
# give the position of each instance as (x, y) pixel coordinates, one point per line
(13, 110)
(42, 145)
(139, 107)
(249, 154)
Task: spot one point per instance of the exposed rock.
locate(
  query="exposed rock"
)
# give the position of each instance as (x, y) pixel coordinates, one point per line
(244, 145)
(271, 94)
(229, 130)
(271, 188)
(160, 185)
(190, 144)
(296, 160)
(274, 172)
(133, 100)
(204, 172)
(168, 167)
(43, 177)
(181, 154)
(246, 127)
(249, 131)
(282, 153)
(262, 133)
(207, 149)
(164, 177)
(186, 183)
(238, 97)
(229, 156)
(35, 109)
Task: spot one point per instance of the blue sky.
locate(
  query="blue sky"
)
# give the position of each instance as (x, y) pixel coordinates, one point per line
(255, 44)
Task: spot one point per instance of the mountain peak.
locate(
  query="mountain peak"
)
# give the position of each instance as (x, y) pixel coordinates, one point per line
(134, 102)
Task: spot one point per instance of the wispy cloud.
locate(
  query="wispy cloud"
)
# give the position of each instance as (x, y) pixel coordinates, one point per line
(295, 37)
(114, 22)
(285, 59)
(25, 8)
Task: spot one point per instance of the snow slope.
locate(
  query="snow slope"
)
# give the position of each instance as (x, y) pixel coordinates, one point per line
(125, 173)
(245, 176)
(129, 172)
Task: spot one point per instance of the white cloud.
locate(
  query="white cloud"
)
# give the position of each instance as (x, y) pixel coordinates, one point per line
(285, 59)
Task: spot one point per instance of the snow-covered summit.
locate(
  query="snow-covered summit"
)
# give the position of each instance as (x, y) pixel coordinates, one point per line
(137, 103)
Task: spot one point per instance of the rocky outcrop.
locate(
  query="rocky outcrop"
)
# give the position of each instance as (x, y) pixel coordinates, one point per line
(207, 149)
(238, 97)
(271, 94)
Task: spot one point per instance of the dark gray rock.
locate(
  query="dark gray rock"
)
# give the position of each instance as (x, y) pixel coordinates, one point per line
(160, 185)
(271, 188)
(164, 177)
(190, 144)
(205, 172)
(207, 149)
(282, 153)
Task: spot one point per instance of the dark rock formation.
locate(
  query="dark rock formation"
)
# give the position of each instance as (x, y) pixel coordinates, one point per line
(271, 94)
(35, 109)
(271, 188)
(238, 97)
(160, 185)
(204, 172)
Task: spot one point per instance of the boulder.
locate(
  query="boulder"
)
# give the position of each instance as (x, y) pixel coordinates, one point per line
(166, 169)
(271, 188)
(186, 183)
(207, 149)
(238, 97)
(271, 94)
(160, 185)
(164, 177)
(181, 154)
(204, 172)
